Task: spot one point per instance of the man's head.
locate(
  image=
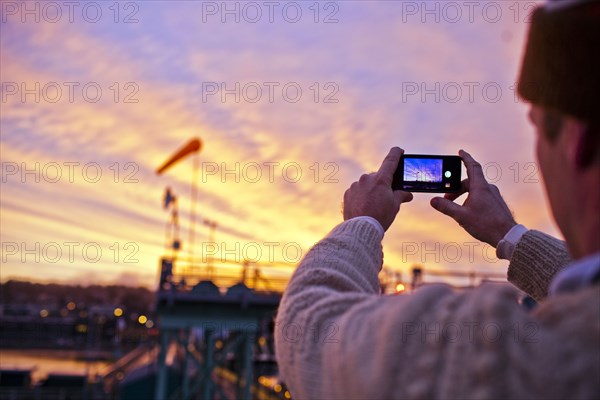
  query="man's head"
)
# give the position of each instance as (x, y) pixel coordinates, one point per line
(560, 78)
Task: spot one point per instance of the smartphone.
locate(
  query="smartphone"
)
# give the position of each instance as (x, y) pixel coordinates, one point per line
(428, 173)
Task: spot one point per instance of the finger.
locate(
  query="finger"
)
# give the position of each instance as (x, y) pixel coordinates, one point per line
(363, 178)
(474, 170)
(405, 196)
(447, 207)
(389, 165)
(464, 188)
(402, 196)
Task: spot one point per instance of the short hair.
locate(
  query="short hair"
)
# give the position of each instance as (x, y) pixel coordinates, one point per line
(561, 60)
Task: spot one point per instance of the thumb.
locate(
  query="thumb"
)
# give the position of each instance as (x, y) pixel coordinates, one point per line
(447, 207)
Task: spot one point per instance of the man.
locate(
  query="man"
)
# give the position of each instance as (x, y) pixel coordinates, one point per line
(337, 337)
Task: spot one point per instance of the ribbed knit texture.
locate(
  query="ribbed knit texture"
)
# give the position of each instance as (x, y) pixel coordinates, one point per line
(336, 337)
(538, 257)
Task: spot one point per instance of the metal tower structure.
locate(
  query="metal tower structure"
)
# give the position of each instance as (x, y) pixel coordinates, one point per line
(212, 325)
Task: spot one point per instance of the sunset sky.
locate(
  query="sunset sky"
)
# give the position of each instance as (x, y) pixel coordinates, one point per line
(116, 87)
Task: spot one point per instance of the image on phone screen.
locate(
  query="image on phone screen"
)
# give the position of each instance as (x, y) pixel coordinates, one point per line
(422, 173)
(428, 173)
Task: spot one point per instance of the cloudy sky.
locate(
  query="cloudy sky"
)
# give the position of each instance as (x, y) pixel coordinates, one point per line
(293, 101)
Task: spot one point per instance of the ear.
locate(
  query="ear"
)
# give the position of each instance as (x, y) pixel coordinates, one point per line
(580, 143)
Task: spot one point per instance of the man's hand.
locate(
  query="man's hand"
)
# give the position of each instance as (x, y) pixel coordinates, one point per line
(484, 214)
(372, 195)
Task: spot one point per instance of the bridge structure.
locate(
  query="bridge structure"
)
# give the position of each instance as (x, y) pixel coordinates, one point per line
(220, 335)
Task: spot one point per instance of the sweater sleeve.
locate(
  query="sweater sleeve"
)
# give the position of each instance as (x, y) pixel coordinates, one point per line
(537, 258)
(324, 286)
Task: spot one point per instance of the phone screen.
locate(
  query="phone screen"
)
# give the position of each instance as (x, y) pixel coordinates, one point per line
(428, 173)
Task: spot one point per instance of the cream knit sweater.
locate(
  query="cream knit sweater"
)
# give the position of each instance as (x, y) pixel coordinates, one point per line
(336, 337)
